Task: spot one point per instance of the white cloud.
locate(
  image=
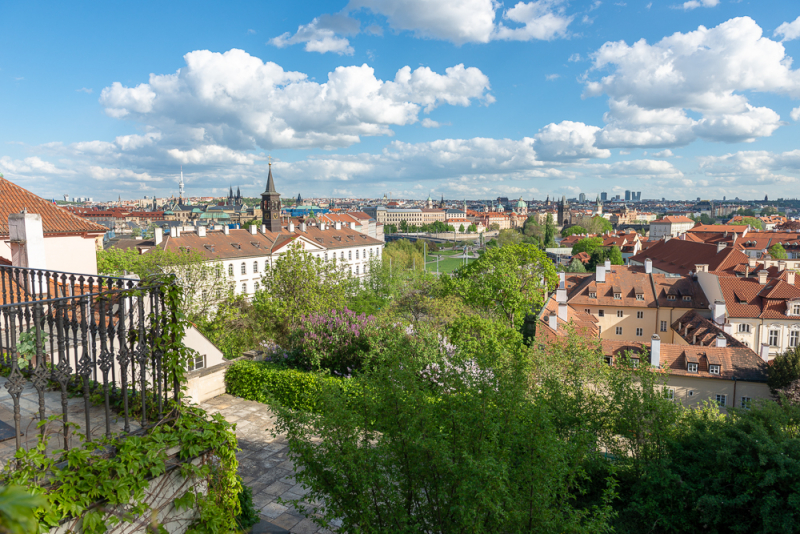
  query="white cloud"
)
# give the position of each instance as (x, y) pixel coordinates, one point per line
(693, 4)
(568, 141)
(795, 114)
(574, 57)
(789, 30)
(552, 77)
(33, 165)
(652, 88)
(543, 20)
(753, 167)
(84, 90)
(236, 100)
(320, 35)
(667, 153)
(429, 123)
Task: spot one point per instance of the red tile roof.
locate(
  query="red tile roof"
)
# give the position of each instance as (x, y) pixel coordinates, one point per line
(746, 297)
(55, 220)
(673, 219)
(680, 257)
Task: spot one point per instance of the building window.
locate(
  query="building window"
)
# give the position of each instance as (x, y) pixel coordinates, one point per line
(692, 367)
(592, 295)
(356, 266)
(349, 254)
(746, 402)
(356, 253)
(795, 309)
(587, 310)
(670, 297)
(244, 268)
(617, 296)
(325, 256)
(773, 338)
(244, 288)
(619, 330)
(744, 328)
(343, 255)
(640, 315)
(196, 362)
(619, 313)
(255, 266)
(364, 254)
(639, 332)
(793, 337)
(713, 369)
(255, 287)
(663, 326)
(635, 363)
(230, 270)
(370, 253)
(601, 313)
(722, 400)
(687, 298)
(639, 296)
(669, 393)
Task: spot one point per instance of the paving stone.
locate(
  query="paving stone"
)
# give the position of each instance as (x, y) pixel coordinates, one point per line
(305, 526)
(286, 521)
(274, 510)
(277, 488)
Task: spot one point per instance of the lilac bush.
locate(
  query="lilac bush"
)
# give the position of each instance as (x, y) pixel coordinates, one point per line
(339, 341)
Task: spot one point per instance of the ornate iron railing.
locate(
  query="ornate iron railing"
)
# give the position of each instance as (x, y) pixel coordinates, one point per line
(91, 336)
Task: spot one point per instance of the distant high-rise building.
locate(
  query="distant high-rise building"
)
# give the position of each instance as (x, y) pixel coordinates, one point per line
(627, 195)
(766, 198)
(582, 197)
(603, 196)
(638, 196)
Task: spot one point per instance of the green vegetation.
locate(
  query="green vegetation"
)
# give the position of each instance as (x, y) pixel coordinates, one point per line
(754, 222)
(778, 252)
(784, 369)
(576, 266)
(587, 245)
(572, 230)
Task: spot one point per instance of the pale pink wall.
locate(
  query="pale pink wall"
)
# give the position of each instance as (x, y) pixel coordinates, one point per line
(72, 254)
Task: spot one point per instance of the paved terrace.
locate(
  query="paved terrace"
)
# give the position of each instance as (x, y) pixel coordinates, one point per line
(264, 465)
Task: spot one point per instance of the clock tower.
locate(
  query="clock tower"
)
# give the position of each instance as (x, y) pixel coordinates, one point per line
(271, 205)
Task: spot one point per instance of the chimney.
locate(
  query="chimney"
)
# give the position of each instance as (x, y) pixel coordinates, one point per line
(727, 327)
(338, 225)
(177, 231)
(226, 229)
(563, 311)
(158, 236)
(721, 340)
(27, 240)
(762, 276)
(552, 321)
(764, 353)
(253, 229)
(720, 246)
(302, 227)
(648, 266)
(655, 351)
(694, 338)
(322, 226)
(352, 226)
(782, 265)
(790, 277)
(291, 226)
(600, 274)
(718, 310)
(263, 228)
(608, 266)
(747, 271)
(201, 231)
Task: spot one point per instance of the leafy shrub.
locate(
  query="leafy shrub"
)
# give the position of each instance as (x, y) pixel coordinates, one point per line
(784, 370)
(249, 516)
(293, 388)
(339, 341)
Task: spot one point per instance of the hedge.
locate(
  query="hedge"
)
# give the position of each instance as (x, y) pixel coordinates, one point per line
(265, 381)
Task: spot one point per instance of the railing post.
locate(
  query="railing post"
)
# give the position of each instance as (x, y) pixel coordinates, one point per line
(142, 358)
(16, 382)
(85, 368)
(41, 372)
(62, 371)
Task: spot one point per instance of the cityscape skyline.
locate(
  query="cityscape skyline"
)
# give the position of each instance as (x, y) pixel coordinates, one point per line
(474, 100)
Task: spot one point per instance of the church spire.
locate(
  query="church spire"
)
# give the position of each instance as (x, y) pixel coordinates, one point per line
(271, 205)
(270, 181)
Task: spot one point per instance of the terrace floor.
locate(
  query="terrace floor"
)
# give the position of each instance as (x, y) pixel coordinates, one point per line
(264, 465)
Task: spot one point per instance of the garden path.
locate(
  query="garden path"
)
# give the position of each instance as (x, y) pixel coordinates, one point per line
(264, 465)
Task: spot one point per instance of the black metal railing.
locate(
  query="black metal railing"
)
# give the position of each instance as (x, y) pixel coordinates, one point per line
(63, 333)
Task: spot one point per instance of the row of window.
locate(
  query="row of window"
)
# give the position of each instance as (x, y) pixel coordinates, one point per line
(773, 335)
(243, 266)
(721, 400)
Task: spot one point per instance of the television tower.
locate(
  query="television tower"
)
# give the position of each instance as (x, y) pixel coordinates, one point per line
(180, 185)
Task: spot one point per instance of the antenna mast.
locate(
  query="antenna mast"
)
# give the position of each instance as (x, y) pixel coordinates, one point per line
(180, 184)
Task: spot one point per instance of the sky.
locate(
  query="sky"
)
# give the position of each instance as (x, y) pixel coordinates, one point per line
(469, 99)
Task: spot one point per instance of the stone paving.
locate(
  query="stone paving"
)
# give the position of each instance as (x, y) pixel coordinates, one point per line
(264, 465)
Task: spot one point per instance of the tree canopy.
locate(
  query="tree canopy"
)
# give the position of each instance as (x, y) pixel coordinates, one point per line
(778, 252)
(572, 230)
(587, 245)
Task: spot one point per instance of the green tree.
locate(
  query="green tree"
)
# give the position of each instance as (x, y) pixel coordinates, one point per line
(598, 225)
(461, 229)
(549, 238)
(507, 282)
(297, 285)
(769, 210)
(472, 228)
(754, 222)
(572, 230)
(587, 245)
(494, 226)
(136, 231)
(615, 255)
(508, 237)
(784, 369)
(748, 212)
(576, 266)
(390, 228)
(778, 252)
(403, 254)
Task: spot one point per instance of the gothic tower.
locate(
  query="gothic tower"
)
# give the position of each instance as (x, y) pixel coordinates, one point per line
(562, 210)
(271, 205)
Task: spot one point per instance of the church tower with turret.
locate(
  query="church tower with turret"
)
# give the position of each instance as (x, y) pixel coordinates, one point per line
(271, 205)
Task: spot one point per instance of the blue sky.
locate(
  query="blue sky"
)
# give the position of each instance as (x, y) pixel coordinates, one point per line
(471, 99)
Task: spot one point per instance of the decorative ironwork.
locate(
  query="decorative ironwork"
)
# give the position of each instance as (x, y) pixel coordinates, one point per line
(89, 333)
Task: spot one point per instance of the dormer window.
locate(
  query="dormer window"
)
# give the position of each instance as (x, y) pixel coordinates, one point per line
(795, 308)
(618, 296)
(670, 297)
(639, 296)
(691, 367)
(592, 295)
(713, 369)
(687, 298)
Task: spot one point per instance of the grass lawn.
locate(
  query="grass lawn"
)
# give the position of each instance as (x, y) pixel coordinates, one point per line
(445, 253)
(446, 265)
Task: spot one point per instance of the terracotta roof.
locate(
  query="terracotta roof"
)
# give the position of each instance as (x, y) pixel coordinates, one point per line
(699, 331)
(746, 297)
(673, 219)
(656, 289)
(738, 363)
(55, 220)
(681, 257)
(718, 228)
(582, 323)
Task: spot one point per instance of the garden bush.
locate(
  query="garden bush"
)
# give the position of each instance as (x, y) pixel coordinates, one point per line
(293, 388)
(339, 341)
